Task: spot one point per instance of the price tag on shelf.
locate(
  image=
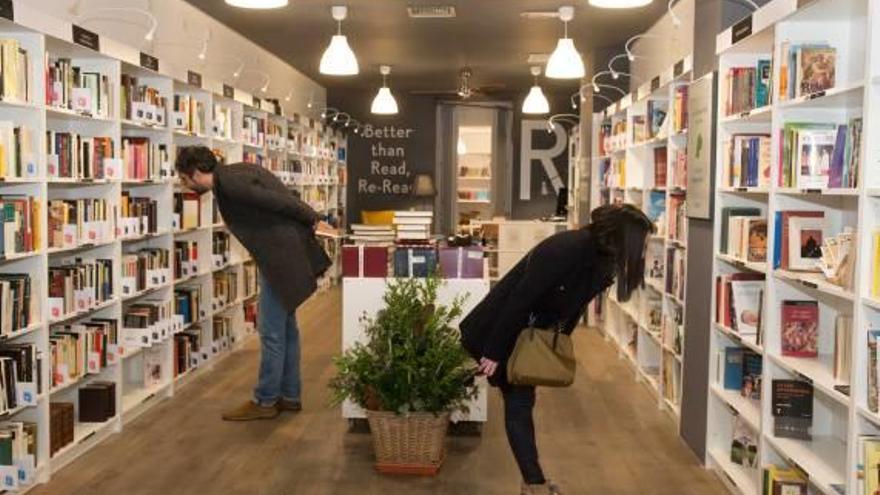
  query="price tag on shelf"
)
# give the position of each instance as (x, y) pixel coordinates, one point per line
(129, 285)
(81, 100)
(27, 469)
(70, 235)
(93, 362)
(56, 307)
(9, 477)
(113, 352)
(26, 393)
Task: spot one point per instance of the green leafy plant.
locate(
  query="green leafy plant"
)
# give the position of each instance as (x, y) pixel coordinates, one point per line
(412, 360)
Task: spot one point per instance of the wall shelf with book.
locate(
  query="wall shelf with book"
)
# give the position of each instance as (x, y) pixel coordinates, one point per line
(642, 160)
(793, 108)
(110, 260)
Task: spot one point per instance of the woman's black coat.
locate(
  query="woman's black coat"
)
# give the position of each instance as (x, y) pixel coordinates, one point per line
(552, 284)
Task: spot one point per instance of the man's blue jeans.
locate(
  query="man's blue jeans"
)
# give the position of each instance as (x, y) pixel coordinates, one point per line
(279, 338)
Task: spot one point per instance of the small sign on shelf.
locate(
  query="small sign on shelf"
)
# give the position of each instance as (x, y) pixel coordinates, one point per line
(86, 38)
(149, 62)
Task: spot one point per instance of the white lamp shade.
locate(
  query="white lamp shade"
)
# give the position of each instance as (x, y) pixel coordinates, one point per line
(384, 102)
(258, 4)
(619, 4)
(338, 58)
(536, 103)
(565, 62)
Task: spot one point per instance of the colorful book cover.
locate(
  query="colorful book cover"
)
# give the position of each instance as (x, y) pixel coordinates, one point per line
(656, 205)
(792, 408)
(817, 69)
(815, 150)
(763, 77)
(745, 298)
(800, 328)
(752, 364)
(744, 446)
(733, 368)
(757, 240)
(835, 177)
(872, 466)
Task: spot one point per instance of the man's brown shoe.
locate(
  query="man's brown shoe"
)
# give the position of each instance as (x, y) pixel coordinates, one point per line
(249, 411)
(289, 405)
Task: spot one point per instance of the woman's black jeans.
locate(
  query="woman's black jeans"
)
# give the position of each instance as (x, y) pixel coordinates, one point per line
(519, 401)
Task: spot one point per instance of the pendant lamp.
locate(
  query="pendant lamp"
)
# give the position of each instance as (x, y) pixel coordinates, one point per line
(565, 62)
(338, 58)
(258, 4)
(536, 103)
(619, 4)
(384, 102)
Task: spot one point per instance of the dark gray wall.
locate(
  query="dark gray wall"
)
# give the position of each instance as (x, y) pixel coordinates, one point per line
(374, 180)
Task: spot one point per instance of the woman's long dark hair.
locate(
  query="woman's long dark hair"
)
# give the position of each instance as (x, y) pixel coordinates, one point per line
(620, 232)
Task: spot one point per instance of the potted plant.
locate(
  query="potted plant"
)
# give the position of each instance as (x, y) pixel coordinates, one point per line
(409, 375)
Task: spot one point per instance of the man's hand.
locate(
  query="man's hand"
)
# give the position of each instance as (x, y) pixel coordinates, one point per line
(325, 228)
(487, 366)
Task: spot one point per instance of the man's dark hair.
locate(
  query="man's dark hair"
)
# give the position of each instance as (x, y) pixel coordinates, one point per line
(192, 158)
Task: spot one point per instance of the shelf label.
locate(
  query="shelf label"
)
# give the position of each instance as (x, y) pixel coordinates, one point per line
(194, 79)
(149, 62)
(741, 30)
(86, 38)
(678, 68)
(228, 92)
(655, 84)
(813, 96)
(7, 10)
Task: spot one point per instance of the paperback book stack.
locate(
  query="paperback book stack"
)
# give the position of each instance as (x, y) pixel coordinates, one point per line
(372, 235)
(819, 156)
(18, 446)
(70, 87)
(413, 226)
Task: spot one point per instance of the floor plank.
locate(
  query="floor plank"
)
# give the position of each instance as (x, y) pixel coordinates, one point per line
(603, 436)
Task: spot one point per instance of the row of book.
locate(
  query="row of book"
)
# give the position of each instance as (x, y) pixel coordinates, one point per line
(188, 114)
(806, 68)
(225, 289)
(76, 222)
(748, 87)
(747, 161)
(18, 309)
(275, 137)
(79, 286)
(74, 156)
(137, 216)
(21, 220)
(254, 131)
(251, 282)
(18, 451)
(804, 243)
(82, 349)
(149, 322)
(15, 68)
(145, 269)
(679, 110)
(18, 157)
(221, 244)
(186, 259)
(188, 303)
(412, 261)
(744, 234)
(187, 350)
(142, 103)
(143, 159)
(223, 118)
(20, 375)
(819, 156)
(77, 89)
(677, 216)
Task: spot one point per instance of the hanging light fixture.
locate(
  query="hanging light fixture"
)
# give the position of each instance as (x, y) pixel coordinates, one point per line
(258, 4)
(338, 58)
(384, 102)
(565, 62)
(619, 4)
(536, 103)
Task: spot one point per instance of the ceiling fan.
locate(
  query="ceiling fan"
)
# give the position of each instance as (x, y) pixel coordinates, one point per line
(465, 89)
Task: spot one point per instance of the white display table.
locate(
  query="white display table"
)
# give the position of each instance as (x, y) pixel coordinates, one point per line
(364, 295)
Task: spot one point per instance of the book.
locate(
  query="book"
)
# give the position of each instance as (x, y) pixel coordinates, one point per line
(188, 114)
(188, 303)
(747, 160)
(680, 109)
(142, 103)
(752, 365)
(733, 368)
(144, 269)
(143, 159)
(187, 210)
(15, 71)
(656, 206)
(792, 408)
(805, 239)
(660, 164)
(816, 69)
(870, 456)
(800, 328)
(842, 343)
(74, 156)
(81, 349)
(79, 285)
(784, 237)
(763, 82)
(728, 212)
(186, 259)
(97, 402)
(783, 481)
(744, 304)
(757, 240)
(744, 445)
(71, 87)
(873, 334)
(656, 118)
(18, 152)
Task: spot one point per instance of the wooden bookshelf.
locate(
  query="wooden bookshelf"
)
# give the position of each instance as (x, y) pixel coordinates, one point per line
(625, 172)
(830, 460)
(321, 154)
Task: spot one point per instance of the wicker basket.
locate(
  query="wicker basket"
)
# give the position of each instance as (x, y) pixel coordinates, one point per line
(408, 444)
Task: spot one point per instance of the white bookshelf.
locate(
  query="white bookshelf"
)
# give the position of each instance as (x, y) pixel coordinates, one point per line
(623, 170)
(830, 459)
(40, 34)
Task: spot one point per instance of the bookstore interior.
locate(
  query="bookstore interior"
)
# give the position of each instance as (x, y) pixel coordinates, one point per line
(434, 146)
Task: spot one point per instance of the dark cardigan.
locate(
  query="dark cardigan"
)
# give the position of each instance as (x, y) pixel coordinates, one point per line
(553, 284)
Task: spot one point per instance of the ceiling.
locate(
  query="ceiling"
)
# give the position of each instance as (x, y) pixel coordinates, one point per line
(490, 36)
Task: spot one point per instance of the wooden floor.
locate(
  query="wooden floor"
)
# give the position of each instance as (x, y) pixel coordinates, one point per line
(604, 437)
